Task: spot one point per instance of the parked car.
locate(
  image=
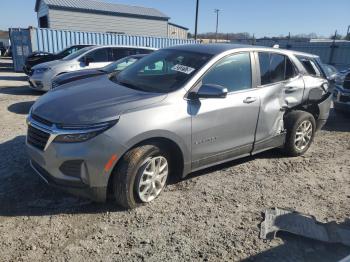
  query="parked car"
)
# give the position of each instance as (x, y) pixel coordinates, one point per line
(177, 110)
(116, 66)
(341, 94)
(87, 58)
(41, 57)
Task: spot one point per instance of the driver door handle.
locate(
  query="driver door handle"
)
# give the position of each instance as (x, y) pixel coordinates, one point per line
(249, 100)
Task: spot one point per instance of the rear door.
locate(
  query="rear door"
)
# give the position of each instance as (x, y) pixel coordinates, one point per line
(224, 128)
(281, 87)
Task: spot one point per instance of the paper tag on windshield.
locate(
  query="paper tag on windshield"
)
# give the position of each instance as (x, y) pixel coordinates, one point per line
(183, 69)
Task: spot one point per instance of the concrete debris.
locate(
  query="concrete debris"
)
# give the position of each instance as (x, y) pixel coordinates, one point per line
(277, 219)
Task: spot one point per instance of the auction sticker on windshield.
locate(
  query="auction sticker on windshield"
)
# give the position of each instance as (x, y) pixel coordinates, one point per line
(183, 69)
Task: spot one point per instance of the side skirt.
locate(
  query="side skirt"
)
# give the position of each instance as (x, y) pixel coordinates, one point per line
(266, 144)
(222, 157)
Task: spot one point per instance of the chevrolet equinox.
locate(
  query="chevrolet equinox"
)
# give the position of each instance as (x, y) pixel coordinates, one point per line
(176, 111)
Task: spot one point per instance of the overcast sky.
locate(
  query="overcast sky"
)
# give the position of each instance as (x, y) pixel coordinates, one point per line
(259, 17)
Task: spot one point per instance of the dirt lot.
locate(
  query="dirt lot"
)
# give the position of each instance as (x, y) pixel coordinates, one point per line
(213, 215)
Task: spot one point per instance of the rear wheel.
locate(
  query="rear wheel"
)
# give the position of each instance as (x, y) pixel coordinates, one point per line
(301, 128)
(141, 176)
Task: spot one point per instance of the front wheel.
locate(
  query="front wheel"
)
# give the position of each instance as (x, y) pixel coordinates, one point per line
(141, 176)
(301, 128)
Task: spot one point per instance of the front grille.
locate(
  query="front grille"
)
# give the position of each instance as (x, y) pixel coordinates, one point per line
(41, 120)
(344, 99)
(37, 138)
(71, 168)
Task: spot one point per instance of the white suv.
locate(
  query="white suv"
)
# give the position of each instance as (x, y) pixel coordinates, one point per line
(86, 58)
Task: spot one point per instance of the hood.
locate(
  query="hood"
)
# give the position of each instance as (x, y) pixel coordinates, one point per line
(77, 75)
(51, 64)
(39, 54)
(91, 101)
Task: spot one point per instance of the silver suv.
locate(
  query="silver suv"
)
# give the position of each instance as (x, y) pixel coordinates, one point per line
(177, 110)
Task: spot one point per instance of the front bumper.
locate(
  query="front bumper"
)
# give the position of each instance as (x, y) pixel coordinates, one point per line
(88, 179)
(27, 70)
(97, 194)
(41, 82)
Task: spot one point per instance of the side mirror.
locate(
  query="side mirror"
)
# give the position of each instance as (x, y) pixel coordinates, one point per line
(209, 91)
(88, 60)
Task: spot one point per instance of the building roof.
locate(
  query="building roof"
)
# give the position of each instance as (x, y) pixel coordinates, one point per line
(103, 7)
(179, 26)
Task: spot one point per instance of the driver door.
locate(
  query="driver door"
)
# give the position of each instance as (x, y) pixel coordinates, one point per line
(224, 128)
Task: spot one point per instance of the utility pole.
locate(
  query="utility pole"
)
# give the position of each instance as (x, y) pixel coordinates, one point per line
(196, 25)
(217, 24)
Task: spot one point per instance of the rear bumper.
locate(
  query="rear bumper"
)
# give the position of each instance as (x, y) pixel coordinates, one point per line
(324, 108)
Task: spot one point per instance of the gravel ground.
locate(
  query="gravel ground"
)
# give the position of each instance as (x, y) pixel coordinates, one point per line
(213, 215)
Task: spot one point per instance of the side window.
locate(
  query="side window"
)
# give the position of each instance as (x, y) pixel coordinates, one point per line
(310, 66)
(119, 53)
(127, 62)
(98, 56)
(264, 61)
(143, 51)
(157, 68)
(290, 69)
(275, 68)
(233, 72)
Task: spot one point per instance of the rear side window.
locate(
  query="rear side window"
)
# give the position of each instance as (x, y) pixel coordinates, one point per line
(310, 66)
(118, 53)
(275, 68)
(233, 72)
(99, 55)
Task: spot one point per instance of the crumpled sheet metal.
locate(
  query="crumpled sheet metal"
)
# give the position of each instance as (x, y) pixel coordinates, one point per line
(277, 219)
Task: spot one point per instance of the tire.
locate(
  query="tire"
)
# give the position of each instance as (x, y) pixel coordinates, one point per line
(295, 122)
(131, 173)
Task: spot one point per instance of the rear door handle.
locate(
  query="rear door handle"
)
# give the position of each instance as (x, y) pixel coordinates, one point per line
(249, 100)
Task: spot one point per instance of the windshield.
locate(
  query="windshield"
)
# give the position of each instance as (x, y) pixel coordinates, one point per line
(163, 71)
(77, 53)
(120, 64)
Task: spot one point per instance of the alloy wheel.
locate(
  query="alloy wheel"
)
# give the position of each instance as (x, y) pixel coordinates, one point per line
(153, 178)
(303, 135)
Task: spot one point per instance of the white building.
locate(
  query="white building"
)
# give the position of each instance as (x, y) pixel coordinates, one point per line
(98, 16)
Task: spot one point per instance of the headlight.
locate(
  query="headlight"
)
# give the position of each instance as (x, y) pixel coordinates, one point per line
(81, 133)
(42, 70)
